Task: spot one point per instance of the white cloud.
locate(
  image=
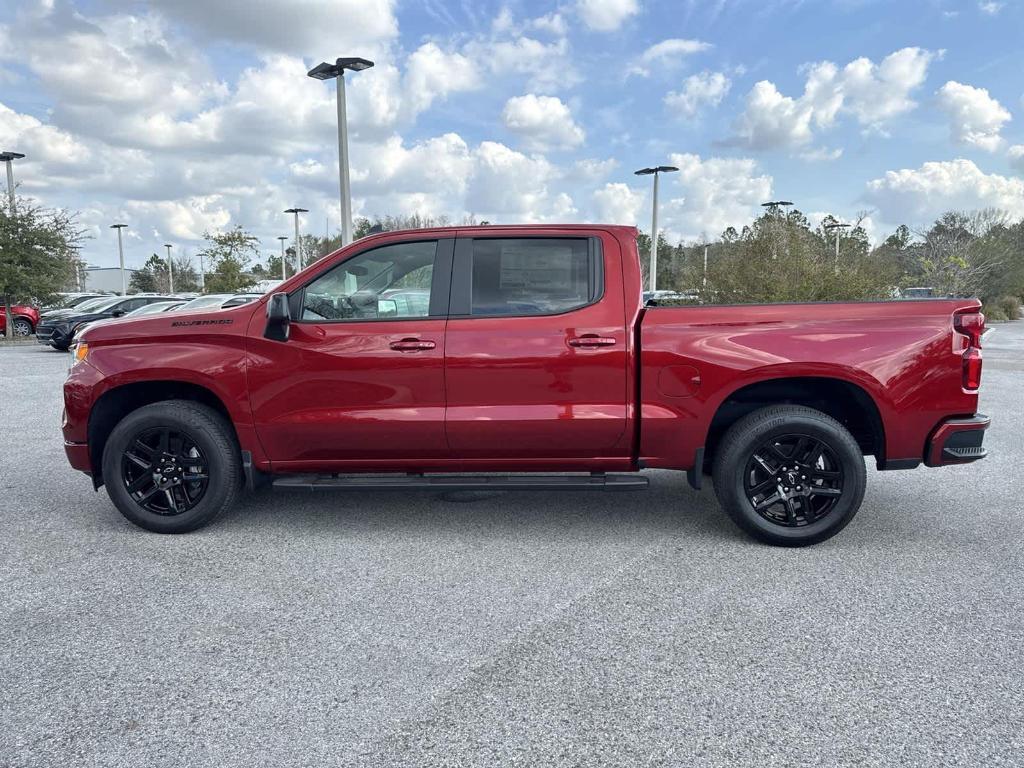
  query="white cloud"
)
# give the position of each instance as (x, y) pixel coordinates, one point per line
(698, 91)
(617, 203)
(921, 194)
(552, 23)
(548, 66)
(872, 93)
(821, 154)
(510, 186)
(715, 193)
(591, 170)
(771, 120)
(606, 15)
(1015, 155)
(990, 7)
(543, 122)
(667, 52)
(975, 118)
(314, 28)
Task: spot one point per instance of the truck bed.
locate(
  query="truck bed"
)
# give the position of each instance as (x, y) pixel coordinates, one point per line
(903, 355)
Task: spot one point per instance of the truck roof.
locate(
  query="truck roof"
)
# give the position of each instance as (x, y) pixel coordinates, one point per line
(470, 228)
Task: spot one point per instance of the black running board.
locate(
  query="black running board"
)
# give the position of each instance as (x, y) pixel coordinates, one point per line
(474, 482)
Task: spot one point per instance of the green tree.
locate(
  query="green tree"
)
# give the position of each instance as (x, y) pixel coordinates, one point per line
(145, 280)
(39, 253)
(153, 277)
(227, 256)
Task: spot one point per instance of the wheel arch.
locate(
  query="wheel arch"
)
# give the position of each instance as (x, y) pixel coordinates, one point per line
(116, 403)
(845, 401)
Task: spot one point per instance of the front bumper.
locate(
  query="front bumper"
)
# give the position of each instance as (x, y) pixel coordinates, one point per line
(958, 441)
(53, 336)
(78, 456)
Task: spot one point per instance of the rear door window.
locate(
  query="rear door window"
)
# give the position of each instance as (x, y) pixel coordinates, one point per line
(531, 276)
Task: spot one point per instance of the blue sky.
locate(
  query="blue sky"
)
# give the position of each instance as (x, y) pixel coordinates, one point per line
(179, 116)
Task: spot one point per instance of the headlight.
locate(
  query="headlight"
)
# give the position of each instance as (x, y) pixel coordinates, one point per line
(79, 352)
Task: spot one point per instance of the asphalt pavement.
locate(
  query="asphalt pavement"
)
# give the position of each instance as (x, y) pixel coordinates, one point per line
(509, 629)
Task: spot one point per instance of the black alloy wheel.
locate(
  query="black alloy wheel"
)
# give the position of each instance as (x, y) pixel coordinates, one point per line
(789, 475)
(172, 466)
(793, 480)
(164, 471)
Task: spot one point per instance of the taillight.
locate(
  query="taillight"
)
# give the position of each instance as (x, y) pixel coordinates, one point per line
(972, 326)
(972, 368)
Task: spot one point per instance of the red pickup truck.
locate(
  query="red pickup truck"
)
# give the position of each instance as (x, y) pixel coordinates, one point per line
(520, 358)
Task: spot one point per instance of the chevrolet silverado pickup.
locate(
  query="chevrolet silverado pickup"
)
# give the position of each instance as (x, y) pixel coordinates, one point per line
(520, 357)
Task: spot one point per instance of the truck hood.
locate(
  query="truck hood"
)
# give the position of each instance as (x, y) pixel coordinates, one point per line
(167, 326)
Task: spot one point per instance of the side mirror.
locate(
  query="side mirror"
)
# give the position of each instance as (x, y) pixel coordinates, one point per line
(387, 307)
(117, 313)
(279, 318)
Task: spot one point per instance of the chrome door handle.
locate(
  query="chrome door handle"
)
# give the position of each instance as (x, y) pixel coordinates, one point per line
(412, 345)
(592, 340)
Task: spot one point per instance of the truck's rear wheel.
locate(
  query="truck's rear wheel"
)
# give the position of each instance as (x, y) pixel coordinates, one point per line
(789, 475)
(172, 467)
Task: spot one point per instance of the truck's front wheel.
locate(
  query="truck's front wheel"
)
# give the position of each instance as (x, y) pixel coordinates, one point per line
(789, 475)
(172, 467)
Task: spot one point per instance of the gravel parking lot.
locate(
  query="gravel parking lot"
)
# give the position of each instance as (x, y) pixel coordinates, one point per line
(529, 629)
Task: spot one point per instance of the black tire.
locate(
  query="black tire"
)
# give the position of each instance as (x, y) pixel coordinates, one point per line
(198, 438)
(22, 327)
(758, 469)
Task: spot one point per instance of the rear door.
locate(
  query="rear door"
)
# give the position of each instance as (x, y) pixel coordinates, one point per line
(536, 348)
(361, 378)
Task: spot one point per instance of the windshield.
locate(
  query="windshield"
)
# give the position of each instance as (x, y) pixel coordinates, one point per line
(100, 305)
(154, 309)
(90, 303)
(206, 301)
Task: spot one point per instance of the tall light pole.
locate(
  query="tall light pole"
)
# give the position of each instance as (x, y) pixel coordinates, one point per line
(284, 271)
(654, 217)
(120, 253)
(773, 207)
(298, 254)
(8, 158)
(838, 228)
(325, 71)
(170, 269)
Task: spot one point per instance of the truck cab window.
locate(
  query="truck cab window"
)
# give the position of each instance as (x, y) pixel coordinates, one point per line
(390, 282)
(531, 276)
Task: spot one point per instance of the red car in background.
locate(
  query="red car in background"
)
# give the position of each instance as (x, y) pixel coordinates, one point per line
(25, 319)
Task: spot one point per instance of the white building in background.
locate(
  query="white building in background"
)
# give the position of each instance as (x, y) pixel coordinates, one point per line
(104, 279)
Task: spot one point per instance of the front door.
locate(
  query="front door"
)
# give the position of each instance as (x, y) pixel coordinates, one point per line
(536, 349)
(361, 377)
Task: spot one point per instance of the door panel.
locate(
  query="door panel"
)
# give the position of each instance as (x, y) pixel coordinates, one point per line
(527, 387)
(361, 376)
(341, 391)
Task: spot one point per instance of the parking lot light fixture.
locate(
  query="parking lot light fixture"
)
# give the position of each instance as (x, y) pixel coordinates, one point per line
(325, 71)
(284, 270)
(120, 254)
(298, 254)
(170, 269)
(838, 228)
(8, 159)
(655, 171)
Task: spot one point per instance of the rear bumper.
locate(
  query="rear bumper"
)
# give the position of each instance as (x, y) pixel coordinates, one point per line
(958, 441)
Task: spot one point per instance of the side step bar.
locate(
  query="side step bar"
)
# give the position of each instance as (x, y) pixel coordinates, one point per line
(474, 482)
